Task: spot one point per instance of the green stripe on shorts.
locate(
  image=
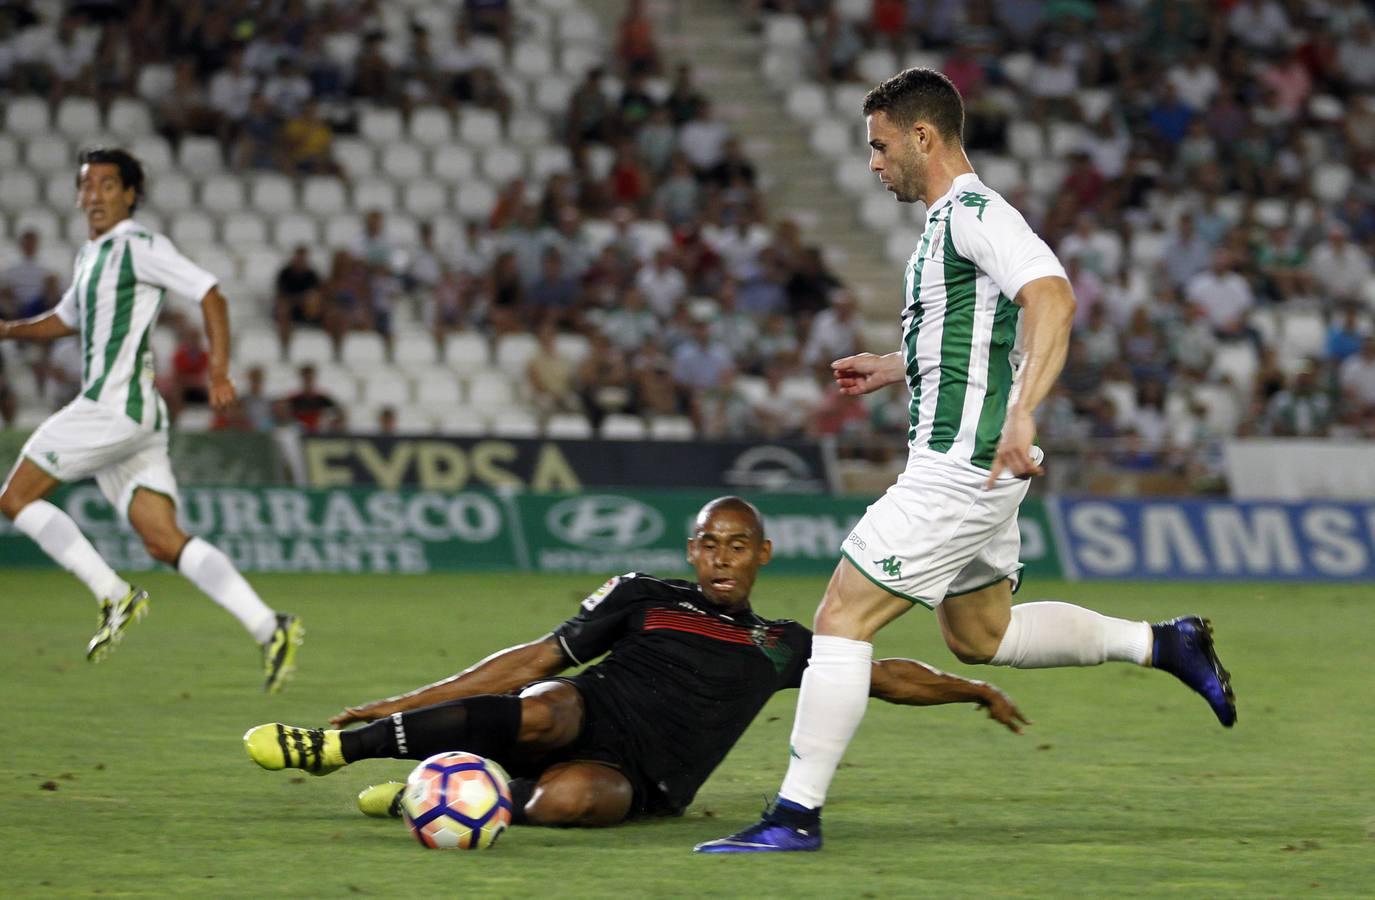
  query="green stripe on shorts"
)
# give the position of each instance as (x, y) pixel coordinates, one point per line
(892, 590)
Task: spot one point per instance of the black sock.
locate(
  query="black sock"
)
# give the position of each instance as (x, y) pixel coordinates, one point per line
(487, 725)
(522, 789)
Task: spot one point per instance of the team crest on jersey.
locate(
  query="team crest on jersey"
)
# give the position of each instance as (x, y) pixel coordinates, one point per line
(935, 245)
(591, 601)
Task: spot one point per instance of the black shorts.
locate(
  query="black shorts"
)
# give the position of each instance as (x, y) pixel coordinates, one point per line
(607, 740)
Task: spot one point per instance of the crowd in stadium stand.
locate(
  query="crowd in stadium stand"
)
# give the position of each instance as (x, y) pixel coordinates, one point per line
(1237, 139)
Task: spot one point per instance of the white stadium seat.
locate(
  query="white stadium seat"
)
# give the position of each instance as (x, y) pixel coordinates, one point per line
(550, 160)
(901, 244)
(341, 231)
(876, 65)
(787, 32)
(853, 175)
(491, 390)
(831, 138)
(190, 228)
(1303, 334)
(272, 194)
(130, 118)
(513, 351)
(672, 428)
(1044, 176)
(43, 221)
(363, 349)
(1066, 138)
(424, 198)
(221, 194)
(401, 230)
(26, 116)
(309, 346)
(552, 96)
(1002, 173)
(402, 162)
(453, 164)
(170, 192)
(462, 421)
(1330, 181)
(806, 102)
(78, 118)
(532, 60)
(259, 264)
(573, 347)
(600, 159)
(880, 212)
(570, 426)
(199, 155)
(528, 129)
(1025, 140)
(467, 352)
(848, 99)
(475, 199)
(355, 156)
(578, 27)
(380, 127)
(291, 230)
(19, 188)
(243, 229)
(77, 230)
(373, 193)
(513, 422)
(479, 127)
(622, 427)
(213, 260)
(438, 393)
(576, 60)
(154, 152)
(414, 350)
(323, 195)
(9, 152)
(1238, 361)
(155, 81)
(48, 153)
(432, 126)
(384, 386)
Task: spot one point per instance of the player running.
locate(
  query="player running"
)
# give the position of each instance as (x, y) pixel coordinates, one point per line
(116, 428)
(635, 735)
(945, 535)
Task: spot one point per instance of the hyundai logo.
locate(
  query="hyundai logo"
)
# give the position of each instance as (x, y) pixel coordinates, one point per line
(605, 522)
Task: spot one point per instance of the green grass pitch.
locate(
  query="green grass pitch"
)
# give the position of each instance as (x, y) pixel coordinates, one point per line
(129, 778)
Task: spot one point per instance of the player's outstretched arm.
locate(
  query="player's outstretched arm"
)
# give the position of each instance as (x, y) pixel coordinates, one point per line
(47, 327)
(913, 683)
(215, 313)
(867, 372)
(502, 672)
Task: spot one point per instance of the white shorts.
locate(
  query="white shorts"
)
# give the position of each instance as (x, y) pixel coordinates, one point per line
(85, 439)
(937, 533)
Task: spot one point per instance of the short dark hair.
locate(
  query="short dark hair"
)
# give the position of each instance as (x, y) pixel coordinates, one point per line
(738, 504)
(919, 93)
(130, 169)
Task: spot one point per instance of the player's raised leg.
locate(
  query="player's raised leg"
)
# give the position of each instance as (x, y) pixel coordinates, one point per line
(153, 515)
(835, 691)
(984, 627)
(53, 530)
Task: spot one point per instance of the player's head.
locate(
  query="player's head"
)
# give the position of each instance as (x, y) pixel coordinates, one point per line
(109, 184)
(727, 548)
(912, 116)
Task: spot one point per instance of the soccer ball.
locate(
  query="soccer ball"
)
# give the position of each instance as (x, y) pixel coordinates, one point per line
(457, 801)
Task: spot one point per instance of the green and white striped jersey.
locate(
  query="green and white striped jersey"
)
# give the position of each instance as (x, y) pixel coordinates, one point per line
(959, 325)
(117, 288)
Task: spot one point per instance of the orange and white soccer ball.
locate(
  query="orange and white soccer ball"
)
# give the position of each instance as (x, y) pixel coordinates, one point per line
(457, 801)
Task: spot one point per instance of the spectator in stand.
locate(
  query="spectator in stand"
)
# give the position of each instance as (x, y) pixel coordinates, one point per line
(253, 412)
(555, 297)
(834, 331)
(27, 287)
(68, 60)
(1169, 118)
(779, 415)
(1356, 378)
(1301, 410)
(1339, 267)
(662, 283)
(1193, 342)
(628, 184)
(490, 17)
(656, 394)
(309, 142)
(259, 143)
(1356, 57)
(503, 294)
(1225, 297)
(637, 52)
(702, 139)
(1186, 253)
(386, 420)
(656, 140)
(287, 90)
(486, 92)
(347, 297)
(838, 415)
(549, 375)
(373, 247)
(589, 112)
(299, 299)
(722, 411)
(698, 361)
(684, 100)
(189, 382)
(465, 55)
(185, 109)
(603, 380)
(231, 91)
(1345, 336)
(314, 410)
(374, 78)
(1259, 25)
(810, 285)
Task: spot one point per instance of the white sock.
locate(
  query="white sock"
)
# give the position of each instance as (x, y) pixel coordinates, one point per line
(835, 692)
(57, 534)
(1048, 634)
(211, 571)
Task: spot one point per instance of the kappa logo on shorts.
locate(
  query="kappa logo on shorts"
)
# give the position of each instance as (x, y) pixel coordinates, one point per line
(857, 541)
(891, 567)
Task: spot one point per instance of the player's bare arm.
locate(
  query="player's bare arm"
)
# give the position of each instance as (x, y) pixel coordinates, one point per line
(502, 672)
(912, 683)
(215, 313)
(1048, 311)
(46, 327)
(865, 373)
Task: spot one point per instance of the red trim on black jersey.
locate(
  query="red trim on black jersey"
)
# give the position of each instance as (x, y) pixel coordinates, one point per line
(672, 620)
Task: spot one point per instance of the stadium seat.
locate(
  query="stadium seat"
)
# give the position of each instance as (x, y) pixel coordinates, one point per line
(671, 428)
(479, 127)
(26, 117)
(855, 10)
(20, 189)
(529, 130)
(475, 199)
(222, 194)
(1238, 361)
(1002, 173)
(926, 59)
(380, 127)
(512, 422)
(1303, 334)
(1272, 212)
(847, 100)
(150, 218)
(1221, 403)
(1148, 248)
(355, 156)
(155, 81)
(550, 160)
(831, 138)
(1330, 181)
(462, 421)
(431, 126)
(9, 152)
(259, 264)
(288, 231)
(1266, 321)
(513, 351)
(414, 351)
(194, 419)
(363, 350)
(650, 236)
(901, 243)
(622, 427)
(309, 346)
(570, 426)
(877, 65)
(552, 96)
(880, 212)
(170, 192)
(215, 261)
(323, 195)
(424, 198)
(342, 230)
(189, 228)
(806, 102)
(373, 193)
(453, 164)
(1045, 176)
(243, 229)
(576, 60)
(383, 386)
(272, 194)
(257, 345)
(77, 118)
(573, 347)
(76, 230)
(1025, 140)
(490, 389)
(129, 118)
(48, 153)
(1066, 138)
(199, 155)
(402, 162)
(154, 152)
(1093, 102)
(600, 160)
(532, 60)
(787, 32)
(576, 26)
(1017, 68)
(1123, 397)
(801, 390)
(401, 230)
(467, 352)
(439, 392)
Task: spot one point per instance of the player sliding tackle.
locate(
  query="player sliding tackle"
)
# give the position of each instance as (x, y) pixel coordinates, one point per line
(689, 667)
(945, 535)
